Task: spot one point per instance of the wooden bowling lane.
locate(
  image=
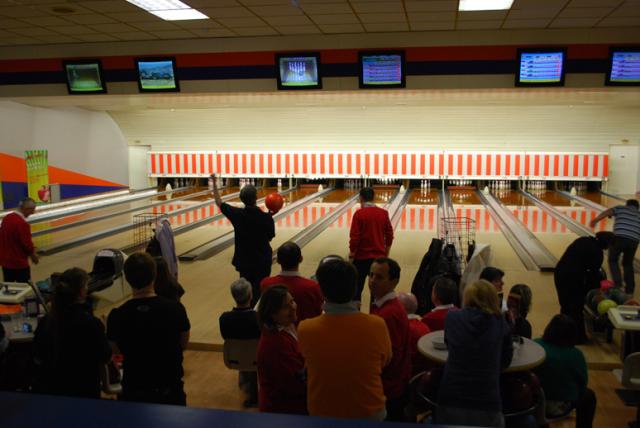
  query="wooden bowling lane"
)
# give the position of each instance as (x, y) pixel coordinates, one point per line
(602, 199)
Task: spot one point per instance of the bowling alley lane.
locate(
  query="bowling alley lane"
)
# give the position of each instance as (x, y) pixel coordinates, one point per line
(58, 237)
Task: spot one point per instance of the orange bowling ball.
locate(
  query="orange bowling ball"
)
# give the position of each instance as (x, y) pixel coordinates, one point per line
(274, 202)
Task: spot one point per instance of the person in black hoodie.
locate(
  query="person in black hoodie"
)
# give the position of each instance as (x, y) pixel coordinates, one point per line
(479, 343)
(70, 345)
(577, 272)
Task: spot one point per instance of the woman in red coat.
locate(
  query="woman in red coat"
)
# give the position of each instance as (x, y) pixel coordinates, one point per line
(281, 372)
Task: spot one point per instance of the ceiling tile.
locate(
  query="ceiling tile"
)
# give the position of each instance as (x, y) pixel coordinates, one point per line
(585, 12)
(96, 38)
(594, 3)
(431, 16)
(34, 31)
(433, 26)
(76, 9)
(207, 3)
(620, 22)
(129, 17)
(255, 31)
(15, 41)
(335, 19)
(199, 24)
(526, 23)
(110, 6)
(386, 27)
(20, 12)
(176, 34)
(288, 20)
(113, 28)
(152, 26)
(341, 28)
(276, 10)
(532, 13)
(137, 35)
(226, 12)
(7, 23)
(327, 8)
(60, 38)
(626, 11)
(72, 29)
(45, 21)
(539, 4)
(298, 29)
(382, 17)
(213, 32)
(432, 6)
(37, 2)
(90, 19)
(248, 22)
(488, 15)
(377, 7)
(574, 22)
(479, 25)
(264, 2)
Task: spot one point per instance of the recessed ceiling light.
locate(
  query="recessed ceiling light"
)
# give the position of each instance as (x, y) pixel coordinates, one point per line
(169, 10)
(475, 5)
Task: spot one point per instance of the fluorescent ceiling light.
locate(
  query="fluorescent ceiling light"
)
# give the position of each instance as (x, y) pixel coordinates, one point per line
(169, 10)
(179, 14)
(474, 5)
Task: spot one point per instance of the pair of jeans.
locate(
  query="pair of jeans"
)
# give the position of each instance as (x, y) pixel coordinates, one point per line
(627, 247)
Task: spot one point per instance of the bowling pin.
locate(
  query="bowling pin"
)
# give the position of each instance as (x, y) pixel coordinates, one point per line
(210, 184)
(168, 187)
(320, 188)
(279, 184)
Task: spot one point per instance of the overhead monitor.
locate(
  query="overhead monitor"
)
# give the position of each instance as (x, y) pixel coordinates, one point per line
(624, 67)
(382, 69)
(298, 71)
(541, 67)
(84, 77)
(157, 75)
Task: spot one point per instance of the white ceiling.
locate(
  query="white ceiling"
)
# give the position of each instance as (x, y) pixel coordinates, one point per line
(38, 22)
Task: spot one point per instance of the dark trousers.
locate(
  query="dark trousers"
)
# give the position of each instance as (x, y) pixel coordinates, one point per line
(160, 395)
(571, 294)
(249, 384)
(16, 275)
(395, 408)
(627, 247)
(363, 267)
(255, 276)
(585, 409)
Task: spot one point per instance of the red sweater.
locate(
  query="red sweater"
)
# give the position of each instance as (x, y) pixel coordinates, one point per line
(305, 292)
(15, 242)
(395, 376)
(280, 373)
(435, 319)
(371, 233)
(417, 329)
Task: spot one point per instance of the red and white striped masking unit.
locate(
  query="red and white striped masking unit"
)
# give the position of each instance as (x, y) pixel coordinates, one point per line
(378, 164)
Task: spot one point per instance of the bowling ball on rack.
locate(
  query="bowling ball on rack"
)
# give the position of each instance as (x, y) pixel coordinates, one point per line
(618, 296)
(274, 202)
(605, 305)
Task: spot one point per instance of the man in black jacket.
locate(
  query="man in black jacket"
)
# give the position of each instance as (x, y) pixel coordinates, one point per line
(577, 272)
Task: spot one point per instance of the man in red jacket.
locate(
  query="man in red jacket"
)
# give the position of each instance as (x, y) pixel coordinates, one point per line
(370, 237)
(384, 276)
(16, 246)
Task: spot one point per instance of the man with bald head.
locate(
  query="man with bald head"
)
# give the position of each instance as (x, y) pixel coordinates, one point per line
(417, 329)
(16, 246)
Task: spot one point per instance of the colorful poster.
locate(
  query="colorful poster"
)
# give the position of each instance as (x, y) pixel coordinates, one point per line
(38, 175)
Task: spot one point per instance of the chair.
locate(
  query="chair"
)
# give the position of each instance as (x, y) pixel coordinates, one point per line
(241, 354)
(629, 377)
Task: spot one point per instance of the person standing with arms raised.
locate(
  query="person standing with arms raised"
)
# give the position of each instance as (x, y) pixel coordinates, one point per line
(370, 237)
(626, 227)
(253, 229)
(16, 246)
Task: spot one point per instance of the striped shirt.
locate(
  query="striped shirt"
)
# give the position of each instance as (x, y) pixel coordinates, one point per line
(627, 222)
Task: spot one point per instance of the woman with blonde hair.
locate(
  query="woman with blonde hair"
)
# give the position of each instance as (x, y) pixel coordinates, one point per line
(479, 343)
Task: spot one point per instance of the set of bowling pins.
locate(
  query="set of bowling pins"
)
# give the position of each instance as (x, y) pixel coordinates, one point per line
(500, 185)
(247, 181)
(180, 182)
(425, 184)
(536, 185)
(576, 186)
(352, 184)
(386, 181)
(460, 182)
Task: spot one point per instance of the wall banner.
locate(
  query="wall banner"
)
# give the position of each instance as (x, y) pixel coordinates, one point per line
(38, 175)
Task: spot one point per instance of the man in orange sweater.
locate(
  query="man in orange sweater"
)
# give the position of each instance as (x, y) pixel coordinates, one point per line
(344, 350)
(370, 237)
(16, 246)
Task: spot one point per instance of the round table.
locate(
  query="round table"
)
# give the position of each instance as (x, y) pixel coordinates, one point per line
(526, 356)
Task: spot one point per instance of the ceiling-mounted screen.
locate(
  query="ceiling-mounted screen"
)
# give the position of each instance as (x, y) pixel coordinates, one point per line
(84, 77)
(541, 67)
(157, 75)
(299, 71)
(382, 69)
(624, 67)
